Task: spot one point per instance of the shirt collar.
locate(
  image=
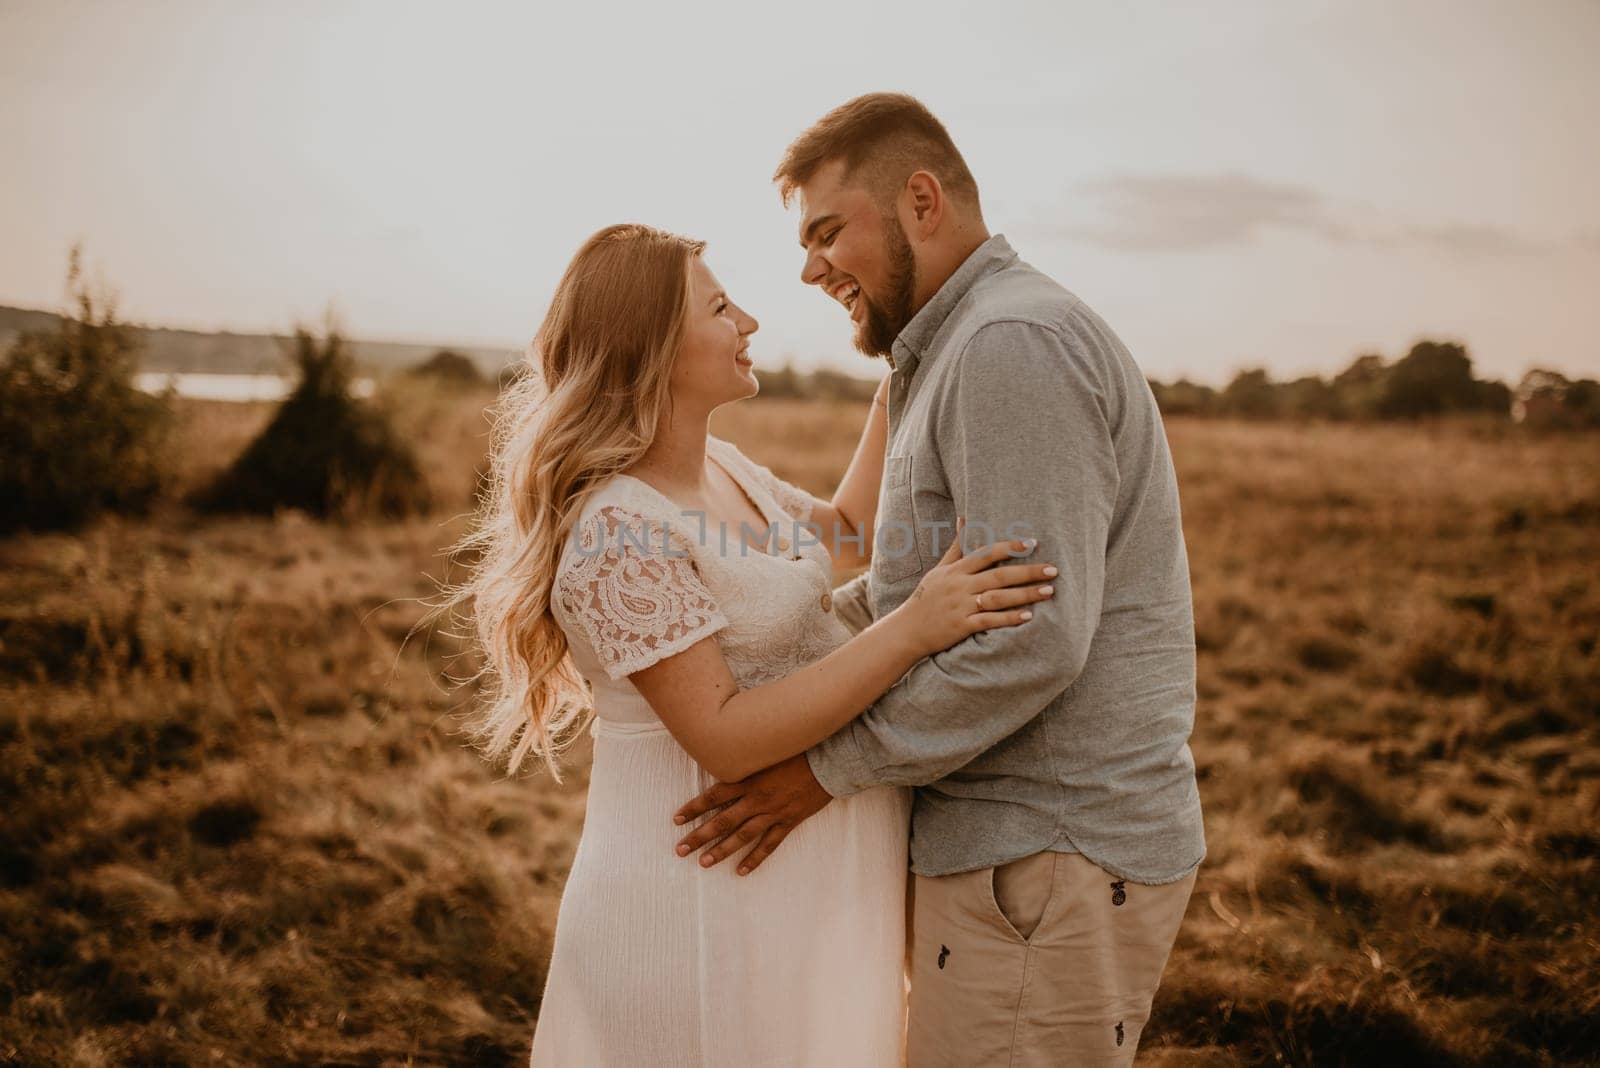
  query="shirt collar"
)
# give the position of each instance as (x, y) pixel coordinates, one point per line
(913, 342)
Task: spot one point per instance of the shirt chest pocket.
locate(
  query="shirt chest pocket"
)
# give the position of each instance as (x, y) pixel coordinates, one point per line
(895, 546)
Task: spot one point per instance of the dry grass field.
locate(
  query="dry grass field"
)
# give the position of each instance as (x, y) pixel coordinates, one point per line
(238, 827)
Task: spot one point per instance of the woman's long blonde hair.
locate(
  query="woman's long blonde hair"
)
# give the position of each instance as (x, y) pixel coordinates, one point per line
(585, 407)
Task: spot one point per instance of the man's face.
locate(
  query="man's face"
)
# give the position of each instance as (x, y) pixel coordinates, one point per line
(858, 255)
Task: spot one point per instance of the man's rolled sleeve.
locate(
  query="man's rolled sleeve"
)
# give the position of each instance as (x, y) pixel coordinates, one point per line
(852, 604)
(1024, 437)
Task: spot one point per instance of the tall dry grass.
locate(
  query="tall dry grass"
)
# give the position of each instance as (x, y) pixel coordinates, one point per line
(1398, 746)
(238, 826)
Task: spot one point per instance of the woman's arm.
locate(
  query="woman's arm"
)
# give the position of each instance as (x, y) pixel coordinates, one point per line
(847, 520)
(733, 733)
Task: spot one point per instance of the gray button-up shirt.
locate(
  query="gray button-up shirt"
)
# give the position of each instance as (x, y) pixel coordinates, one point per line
(1014, 405)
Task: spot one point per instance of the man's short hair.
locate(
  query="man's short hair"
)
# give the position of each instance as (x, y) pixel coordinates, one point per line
(883, 139)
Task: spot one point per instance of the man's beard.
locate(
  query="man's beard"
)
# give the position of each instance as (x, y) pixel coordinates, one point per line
(879, 328)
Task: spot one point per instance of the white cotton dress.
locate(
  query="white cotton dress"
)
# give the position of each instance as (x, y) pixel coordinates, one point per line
(658, 961)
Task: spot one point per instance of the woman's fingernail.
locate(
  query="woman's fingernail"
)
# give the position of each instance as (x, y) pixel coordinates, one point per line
(677, 819)
(1051, 571)
(744, 871)
(705, 861)
(683, 851)
(1047, 590)
(1027, 615)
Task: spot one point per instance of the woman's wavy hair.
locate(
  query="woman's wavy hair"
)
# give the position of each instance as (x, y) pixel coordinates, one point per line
(586, 405)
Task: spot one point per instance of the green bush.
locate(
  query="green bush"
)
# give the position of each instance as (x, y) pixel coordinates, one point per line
(1547, 399)
(1311, 397)
(77, 437)
(1432, 379)
(1360, 387)
(324, 452)
(783, 382)
(1184, 397)
(1251, 395)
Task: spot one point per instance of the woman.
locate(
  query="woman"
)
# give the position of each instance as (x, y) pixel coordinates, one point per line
(622, 550)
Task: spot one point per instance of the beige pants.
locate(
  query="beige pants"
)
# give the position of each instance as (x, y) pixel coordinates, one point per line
(1047, 960)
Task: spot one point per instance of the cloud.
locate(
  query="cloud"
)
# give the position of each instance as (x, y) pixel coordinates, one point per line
(1184, 213)
(1471, 239)
(1179, 213)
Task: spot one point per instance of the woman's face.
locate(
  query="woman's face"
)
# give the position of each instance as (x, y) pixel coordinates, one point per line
(713, 365)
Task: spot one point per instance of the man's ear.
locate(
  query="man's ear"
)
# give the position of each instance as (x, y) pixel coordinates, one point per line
(924, 204)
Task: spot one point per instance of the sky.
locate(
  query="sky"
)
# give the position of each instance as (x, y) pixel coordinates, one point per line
(1244, 184)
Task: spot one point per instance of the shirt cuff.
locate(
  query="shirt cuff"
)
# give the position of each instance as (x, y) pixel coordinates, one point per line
(837, 763)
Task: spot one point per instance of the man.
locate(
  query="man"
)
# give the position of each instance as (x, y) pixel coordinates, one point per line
(1056, 832)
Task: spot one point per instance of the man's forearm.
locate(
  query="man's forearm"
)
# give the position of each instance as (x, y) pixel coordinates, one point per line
(946, 711)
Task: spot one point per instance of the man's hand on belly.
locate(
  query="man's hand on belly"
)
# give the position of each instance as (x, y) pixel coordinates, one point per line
(761, 809)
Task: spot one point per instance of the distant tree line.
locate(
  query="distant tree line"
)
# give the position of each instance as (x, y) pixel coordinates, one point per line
(781, 383)
(78, 438)
(1434, 379)
(822, 384)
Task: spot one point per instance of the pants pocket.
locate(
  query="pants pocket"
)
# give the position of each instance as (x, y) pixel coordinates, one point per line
(1020, 892)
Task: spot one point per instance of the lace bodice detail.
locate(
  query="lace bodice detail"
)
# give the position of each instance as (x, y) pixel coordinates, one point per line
(641, 581)
(795, 502)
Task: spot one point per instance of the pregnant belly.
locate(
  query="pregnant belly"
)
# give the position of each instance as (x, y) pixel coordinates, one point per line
(639, 780)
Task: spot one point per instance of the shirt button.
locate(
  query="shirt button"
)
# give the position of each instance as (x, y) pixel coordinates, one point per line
(827, 602)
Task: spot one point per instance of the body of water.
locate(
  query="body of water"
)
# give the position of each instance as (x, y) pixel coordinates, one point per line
(227, 387)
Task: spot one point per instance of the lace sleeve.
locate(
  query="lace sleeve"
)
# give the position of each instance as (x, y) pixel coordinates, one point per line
(634, 591)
